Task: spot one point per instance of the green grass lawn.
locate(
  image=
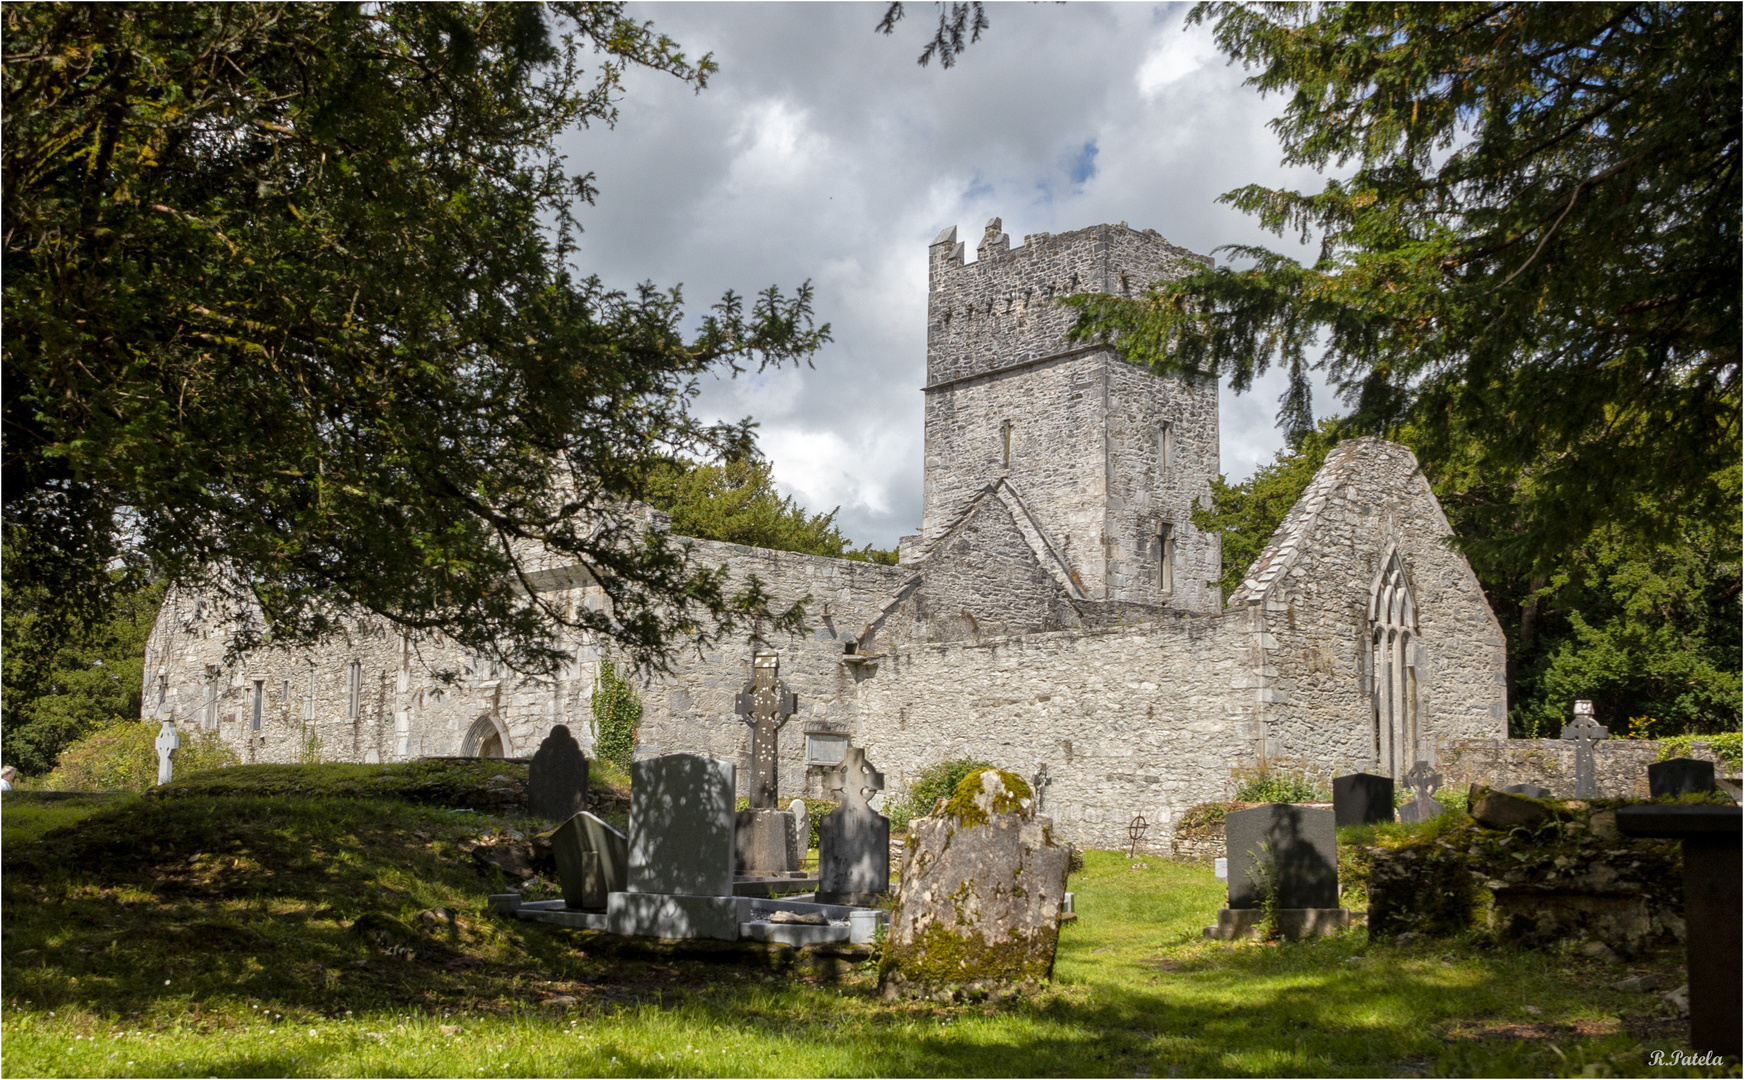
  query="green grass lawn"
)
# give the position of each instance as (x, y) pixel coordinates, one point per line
(285, 933)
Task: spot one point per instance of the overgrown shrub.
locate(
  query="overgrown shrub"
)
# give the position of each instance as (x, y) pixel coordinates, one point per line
(1265, 785)
(616, 713)
(935, 782)
(1728, 747)
(123, 757)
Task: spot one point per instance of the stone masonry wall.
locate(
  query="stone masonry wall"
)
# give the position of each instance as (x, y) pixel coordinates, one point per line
(1086, 430)
(692, 710)
(1312, 587)
(1127, 720)
(1620, 765)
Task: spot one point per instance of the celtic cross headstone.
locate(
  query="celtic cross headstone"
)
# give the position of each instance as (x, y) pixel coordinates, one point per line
(1424, 781)
(168, 742)
(766, 706)
(1585, 733)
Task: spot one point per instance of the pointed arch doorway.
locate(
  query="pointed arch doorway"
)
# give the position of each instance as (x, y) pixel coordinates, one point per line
(486, 739)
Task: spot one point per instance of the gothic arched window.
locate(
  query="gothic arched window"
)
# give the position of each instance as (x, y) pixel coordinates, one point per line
(1393, 669)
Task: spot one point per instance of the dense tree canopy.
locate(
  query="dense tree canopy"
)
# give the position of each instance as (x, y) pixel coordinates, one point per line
(289, 309)
(736, 501)
(1536, 258)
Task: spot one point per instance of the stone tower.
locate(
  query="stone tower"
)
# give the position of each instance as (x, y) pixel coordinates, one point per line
(1105, 457)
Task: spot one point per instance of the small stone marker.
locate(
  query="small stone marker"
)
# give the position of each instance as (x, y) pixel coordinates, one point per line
(1424, 781)
(1585, 733)
(1220, 869)
(593, 860)
(1680, 776)
(854, 839)
(557, 777)
(978, 908)
(1531, 791)
(801, 824)
(1362, 799)
(681, 826)
(168, 742)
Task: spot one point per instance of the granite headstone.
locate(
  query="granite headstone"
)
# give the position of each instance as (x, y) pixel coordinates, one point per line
(1362, 799)
(168, 742)
(1586, 733)
(557, 777)
(681, 826)
(1424, 781)
(1680, 776)
(854, 839)
(1291, 849)
(592, 860)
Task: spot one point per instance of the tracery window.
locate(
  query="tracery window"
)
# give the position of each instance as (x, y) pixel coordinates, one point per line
(1393, 669)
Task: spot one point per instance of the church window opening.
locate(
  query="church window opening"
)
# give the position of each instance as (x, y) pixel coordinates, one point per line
(1166, 558)
(254, 713)
(1005, 432)
(309, 695)
(1166, 446)
(353, 689)
(285, 693)
(211, 717)
(1393, 670)
(163, 688)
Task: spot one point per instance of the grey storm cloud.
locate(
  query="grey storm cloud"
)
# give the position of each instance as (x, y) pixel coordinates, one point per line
(821, 151)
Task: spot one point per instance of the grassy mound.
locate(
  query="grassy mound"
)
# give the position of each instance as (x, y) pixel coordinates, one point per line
(474, 784)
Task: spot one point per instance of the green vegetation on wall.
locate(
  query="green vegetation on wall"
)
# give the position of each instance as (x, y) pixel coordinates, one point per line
(616, 713)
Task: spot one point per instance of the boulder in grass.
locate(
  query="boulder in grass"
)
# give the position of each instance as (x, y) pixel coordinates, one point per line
(978, 908)
(1506, 810)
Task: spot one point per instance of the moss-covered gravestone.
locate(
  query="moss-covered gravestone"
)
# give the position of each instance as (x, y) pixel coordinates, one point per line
(978, 907)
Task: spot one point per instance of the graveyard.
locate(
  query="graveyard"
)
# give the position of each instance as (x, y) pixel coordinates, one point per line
(364, 919)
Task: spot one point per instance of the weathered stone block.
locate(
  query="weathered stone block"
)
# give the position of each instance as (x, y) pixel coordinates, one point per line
(1503, 810)
(979, 902)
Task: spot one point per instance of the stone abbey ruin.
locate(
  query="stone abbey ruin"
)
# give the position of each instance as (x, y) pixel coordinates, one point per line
(1056, 614)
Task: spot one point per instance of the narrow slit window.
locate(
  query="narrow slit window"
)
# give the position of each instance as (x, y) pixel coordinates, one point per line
(1166, 558)
(1005, 433)
(254, 713)
(309, 696)
(211, 699)
(353, 688)
(1166, 446)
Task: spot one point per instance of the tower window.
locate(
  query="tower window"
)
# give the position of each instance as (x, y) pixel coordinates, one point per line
(1166, 558)
(353, 688)
(1166, 445)
(1005, 432)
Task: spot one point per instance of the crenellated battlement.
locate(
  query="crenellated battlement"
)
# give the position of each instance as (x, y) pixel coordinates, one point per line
(996, 312)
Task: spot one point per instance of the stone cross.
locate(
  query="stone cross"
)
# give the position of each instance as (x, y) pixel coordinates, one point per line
(1585, 733)
(167, 743)
(1423, 780)
(766, 706)
(853, 778)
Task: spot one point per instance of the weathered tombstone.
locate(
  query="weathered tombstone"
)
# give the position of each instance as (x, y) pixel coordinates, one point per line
(1585, 733)
(801, 825)
(557, 777)
(1423, 781)
(1531, 791)
(766, 835)
(1362, 799)
(681, 826)
(1680, 776)
(168, 742)
(854, 839)
(978, 907)
(592, 861)
(1287, 855)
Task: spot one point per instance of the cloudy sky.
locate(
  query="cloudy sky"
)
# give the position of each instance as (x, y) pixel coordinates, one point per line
(822, 151)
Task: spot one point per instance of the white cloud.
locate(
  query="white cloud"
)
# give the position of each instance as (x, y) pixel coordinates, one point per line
(821, 151)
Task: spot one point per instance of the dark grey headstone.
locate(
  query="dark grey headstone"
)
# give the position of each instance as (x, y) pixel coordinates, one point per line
(764, 842)
(557, 777)
(593, 860)
(681, 825)
(1531, 791)
(1420, 810)
(1293, 847)
(1362, 799)
(854, 839)
(1680, 776)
